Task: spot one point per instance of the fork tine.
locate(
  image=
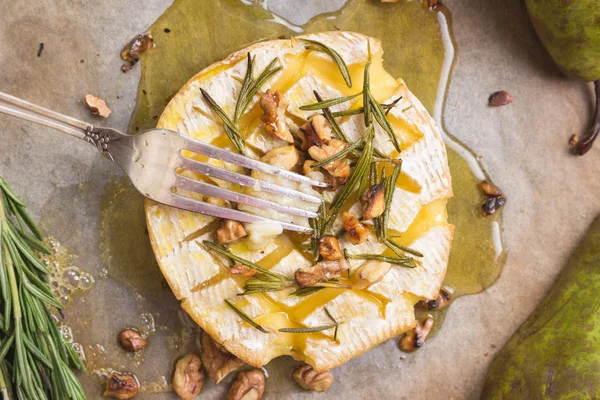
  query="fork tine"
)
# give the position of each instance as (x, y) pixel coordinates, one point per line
(216, 191)
(186, 203)
(225, 155)
(244, 180)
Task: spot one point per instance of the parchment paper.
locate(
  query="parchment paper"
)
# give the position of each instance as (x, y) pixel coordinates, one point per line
(553, 196)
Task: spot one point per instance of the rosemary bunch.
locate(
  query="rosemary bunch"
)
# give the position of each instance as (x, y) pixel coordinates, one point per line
(35, 360)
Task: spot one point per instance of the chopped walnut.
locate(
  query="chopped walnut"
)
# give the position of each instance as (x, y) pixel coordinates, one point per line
(489, 190)
(329, 248)
(242, 270)
(369, 273)
(373, 201)
(121, 386)
(217, 361)
(573, 141)
(309, 379)
(357, 232)
(443, 300)
(415, 338)
(306, 167)
(134, 49)
(188, 378)
(248, 385)
(324, 270)
(97, 105)
(338, 168)
(274, 106)
(315, 132)
(229, 231)
(131, 340)
(286, 157)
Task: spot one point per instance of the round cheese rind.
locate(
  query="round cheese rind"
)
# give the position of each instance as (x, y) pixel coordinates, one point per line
(198, 277)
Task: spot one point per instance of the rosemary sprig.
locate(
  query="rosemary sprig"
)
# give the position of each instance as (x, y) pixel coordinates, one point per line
(328, 103)
(404, 261)
(35, 359)
(361, 169)
(245, 316)
(381, 118)
(250, 86)
(318, 46)
(261, 283)
(305, 291)
(217, 248)
(308, 330)
(346, 113)
(231, 130)
(366, 91)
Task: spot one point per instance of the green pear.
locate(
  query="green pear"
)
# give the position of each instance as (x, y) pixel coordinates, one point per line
(570, 31)
(555, 354)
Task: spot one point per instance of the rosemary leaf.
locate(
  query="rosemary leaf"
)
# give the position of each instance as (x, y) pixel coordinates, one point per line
(361, 169)
(395, 247)
(244, 90)
(305, 291)
(366, 90)
(389, 195)
(232, 132)
(308, 330)
(315, 45)
(226, 253)
(360, 110)
(245, 316)
(381, 118)
(264, 76)
(335, 332)
(407, 262)
(328, 103)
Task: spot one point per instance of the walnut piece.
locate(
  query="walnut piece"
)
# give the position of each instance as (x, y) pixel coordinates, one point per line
(188, 378)
(357, 232)
(415, 338)
(248, 385)
(329, 248)
(134, 49)
(131, 340)
(324, 270)
(315, 132)
(309, 379)
(443, 300)
(494, 198)
(242, 270)
(373, 201)
(217, 361)
(369, 273)
(286, 157)
(274, 106)
(97, 105)
(229, 231)
(121, 386)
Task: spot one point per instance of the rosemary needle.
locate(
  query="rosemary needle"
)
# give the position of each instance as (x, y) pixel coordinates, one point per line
(328, 103)
(308, 330)
(341, 64)
(245, 316)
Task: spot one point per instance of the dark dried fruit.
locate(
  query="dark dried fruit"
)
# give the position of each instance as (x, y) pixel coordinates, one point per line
(442, 301)
(131, 340)
(500, 98)
(121, 386)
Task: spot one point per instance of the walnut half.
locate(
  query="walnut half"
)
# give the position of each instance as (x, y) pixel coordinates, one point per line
(188, 378)
(329, 248)
(248, 385)
(315, 132)
(357, 232)
(373, 201)
(321, 271)
(309, 379)
(217, 360)
(274, 106)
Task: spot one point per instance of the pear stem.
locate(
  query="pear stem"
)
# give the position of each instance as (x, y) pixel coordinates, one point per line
(586, 143)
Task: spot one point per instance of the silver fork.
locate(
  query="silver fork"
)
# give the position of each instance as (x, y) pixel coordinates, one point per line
(152, 158)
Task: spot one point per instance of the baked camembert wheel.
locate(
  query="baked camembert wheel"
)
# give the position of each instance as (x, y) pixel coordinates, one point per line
(382, 241)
